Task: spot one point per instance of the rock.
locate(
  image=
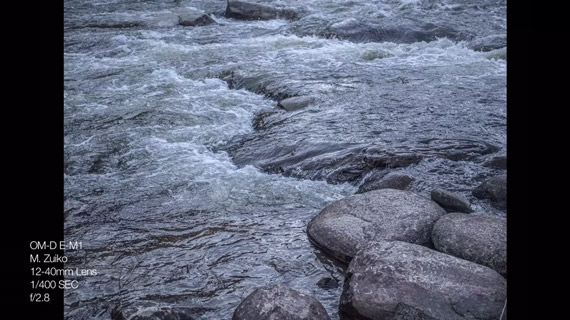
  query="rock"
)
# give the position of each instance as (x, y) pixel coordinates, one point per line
(393, 180)
(344, 226)
(398, 280)
(489, 43)
(482, 240)
(194, 18)
(358, 30)
(450, 201)
(496, 162)
(494, 189)
(327, 283)
(295, 103)
(279, 302)
(253, 11)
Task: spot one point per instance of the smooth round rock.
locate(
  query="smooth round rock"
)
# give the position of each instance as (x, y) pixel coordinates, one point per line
(482, 240)
(398, 280)
(344, 226)
(277, 302)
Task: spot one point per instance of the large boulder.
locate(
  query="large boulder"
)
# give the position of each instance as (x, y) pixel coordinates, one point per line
(398, 280)
(450, 202)
(482, 240)
(279, 302)
(253, 11)
(494, 189)
(344, 226)
(393, 180)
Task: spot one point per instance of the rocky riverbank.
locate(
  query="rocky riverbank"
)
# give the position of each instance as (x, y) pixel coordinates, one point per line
(286, 159)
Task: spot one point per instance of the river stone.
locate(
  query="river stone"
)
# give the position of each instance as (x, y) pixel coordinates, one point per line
(295, 103)
(253, 11)
(279, 302)
(482, 240)
(398, 280)
(194, 18)
(494, 189)
(344, 226)
(450, 202)
(393, 180)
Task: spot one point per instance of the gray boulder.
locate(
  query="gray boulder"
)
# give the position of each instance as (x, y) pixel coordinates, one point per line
(253, 11)
(398, 280)
(450, 202)
(393, 180)
(494, 189)
(344, 226)
(295, 103)
(194, 18)
(482, 240)
(279, 302)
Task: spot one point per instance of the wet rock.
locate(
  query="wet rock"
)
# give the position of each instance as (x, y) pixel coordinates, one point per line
(482, 240)
(327, 283)
(345, 226)
(260, 84)
(393, 180)
(295, 103)
(253, 11)
(398, 280)
(489, 43)
(496, 162)
(364, 31)
(194, 18)
(279, 302)
(494, 189)
(450, 202)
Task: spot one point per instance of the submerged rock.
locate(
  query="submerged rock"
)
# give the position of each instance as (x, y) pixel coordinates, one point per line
(253, 11)
(194, 18)
(365, 31)
(279, 302)
(482, 240)
(393, 180)
(494, 189)
(295, 103)
(398, 280)
(345, 226)
(450, 201)
(496, 162)
(327, 283)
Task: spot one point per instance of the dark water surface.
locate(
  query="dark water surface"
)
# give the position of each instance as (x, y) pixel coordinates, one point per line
(180, 201)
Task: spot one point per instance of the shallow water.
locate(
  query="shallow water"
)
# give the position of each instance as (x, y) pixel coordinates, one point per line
(170, 187)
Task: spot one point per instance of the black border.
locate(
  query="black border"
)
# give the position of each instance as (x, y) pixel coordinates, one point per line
(518, 63)
(39, 177)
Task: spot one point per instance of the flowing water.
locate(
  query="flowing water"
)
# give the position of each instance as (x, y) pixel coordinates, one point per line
(189, 187)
